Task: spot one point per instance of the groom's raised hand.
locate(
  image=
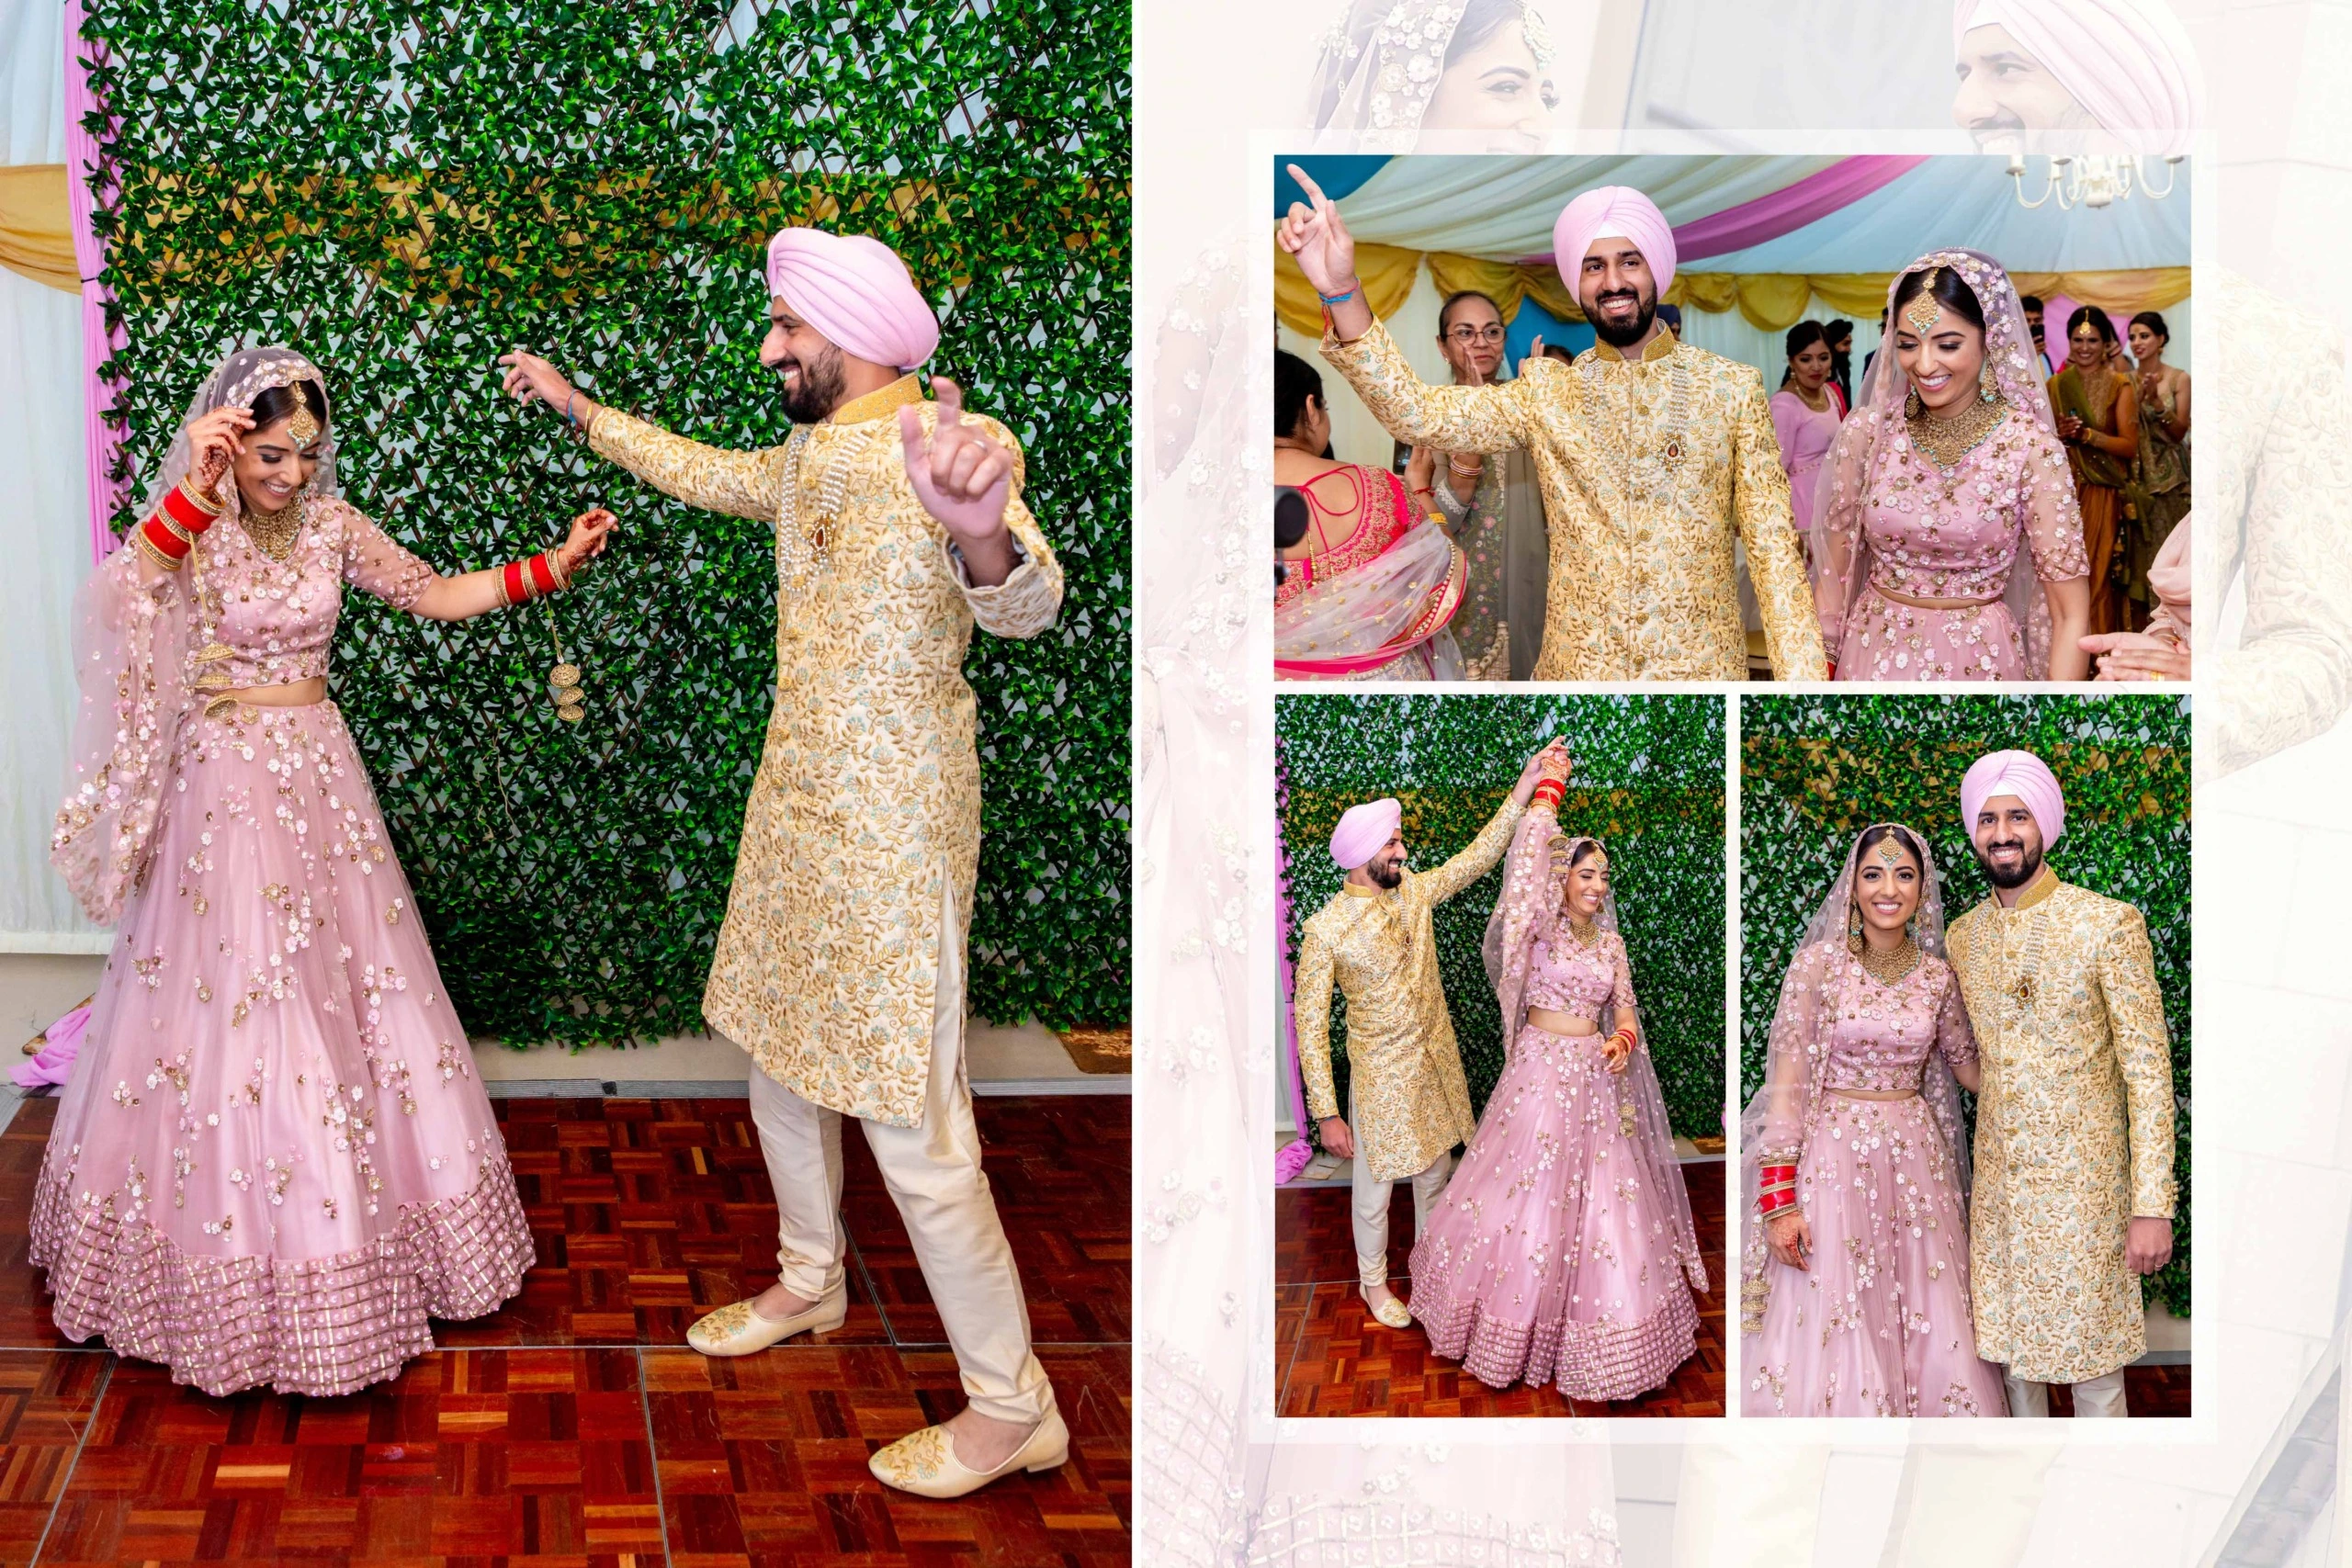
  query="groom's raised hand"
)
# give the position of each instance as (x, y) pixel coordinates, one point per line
(963, 478)
(1315, 233)
(530, 379)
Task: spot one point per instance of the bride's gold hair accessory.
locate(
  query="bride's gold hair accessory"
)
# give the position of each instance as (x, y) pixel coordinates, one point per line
(1925, 306)
(303, 425)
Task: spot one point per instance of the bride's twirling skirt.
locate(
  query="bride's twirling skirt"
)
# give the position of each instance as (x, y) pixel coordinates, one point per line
(1549, 1257)
(274, 1161)
(1881, 1324)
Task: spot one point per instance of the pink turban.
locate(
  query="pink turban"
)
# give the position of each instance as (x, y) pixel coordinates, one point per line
(1365, 832)
(2127, 61)
(856, 292)
(1613, 209)
(2020, 774)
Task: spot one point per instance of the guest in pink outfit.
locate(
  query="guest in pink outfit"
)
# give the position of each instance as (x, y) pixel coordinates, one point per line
(1563, 1250)
(273, 1162)
(1948, 541)
(1854, 1257)
(1806, 415)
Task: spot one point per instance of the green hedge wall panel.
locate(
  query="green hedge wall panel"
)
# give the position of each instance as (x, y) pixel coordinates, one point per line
(1815, 771)
(406, 191)
(1649, 782)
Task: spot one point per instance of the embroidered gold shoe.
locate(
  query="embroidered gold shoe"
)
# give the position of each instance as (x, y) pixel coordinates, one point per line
(736, 1330)
(924, 1462)
(1392, 1313)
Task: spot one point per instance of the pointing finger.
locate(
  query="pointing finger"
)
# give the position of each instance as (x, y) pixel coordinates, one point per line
(951, 399)
(1314, 192)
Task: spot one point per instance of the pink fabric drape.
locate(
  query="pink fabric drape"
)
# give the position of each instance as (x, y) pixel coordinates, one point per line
(1293, 1156)
(82, 155)
(1791, 208)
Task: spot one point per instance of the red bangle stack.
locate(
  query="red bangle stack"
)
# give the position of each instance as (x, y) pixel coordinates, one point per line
(167, 537)
(520, 581)
(1551, 792)
(1776, 1189)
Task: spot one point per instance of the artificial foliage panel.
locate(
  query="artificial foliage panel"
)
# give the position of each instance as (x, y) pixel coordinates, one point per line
(405, 191)
(1647, 781)
(1815, 771)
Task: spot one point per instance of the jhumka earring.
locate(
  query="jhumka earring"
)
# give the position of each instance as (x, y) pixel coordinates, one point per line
(1854, 929)
(1989, 387)
(1911, 407)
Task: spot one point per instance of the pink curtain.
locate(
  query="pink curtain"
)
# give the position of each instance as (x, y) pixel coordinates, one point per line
(1293, 1156)
(1791, 208)
(83, 153)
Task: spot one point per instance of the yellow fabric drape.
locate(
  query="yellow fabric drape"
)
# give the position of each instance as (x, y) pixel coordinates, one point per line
(36, 225)
(1771, 301)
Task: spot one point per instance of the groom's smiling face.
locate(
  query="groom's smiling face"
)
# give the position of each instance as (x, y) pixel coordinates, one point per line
(2007, 839)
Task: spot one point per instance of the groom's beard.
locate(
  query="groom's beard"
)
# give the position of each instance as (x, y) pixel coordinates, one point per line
(2029, 863)
(1626, 337)
(818, 390)
(1386, 874)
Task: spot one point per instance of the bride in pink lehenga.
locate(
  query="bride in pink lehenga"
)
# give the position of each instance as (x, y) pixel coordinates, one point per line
(1854, 1255)
(274, 1161)
(1563, 1250)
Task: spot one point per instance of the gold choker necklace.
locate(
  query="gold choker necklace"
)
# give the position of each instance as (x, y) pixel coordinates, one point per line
(1944, 442)
(1587, 932)
(1889, 966)
(274, 533)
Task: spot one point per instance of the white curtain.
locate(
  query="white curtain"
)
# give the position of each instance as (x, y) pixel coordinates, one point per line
(44, 529)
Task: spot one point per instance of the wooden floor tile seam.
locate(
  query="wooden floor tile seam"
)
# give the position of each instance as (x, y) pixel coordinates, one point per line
(65, 1480)
(652, 1452)
(1281, 1384)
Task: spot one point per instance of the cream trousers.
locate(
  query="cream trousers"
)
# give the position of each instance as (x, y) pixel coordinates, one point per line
(1370, 1207)
(933, 1175)
(2093, 1397)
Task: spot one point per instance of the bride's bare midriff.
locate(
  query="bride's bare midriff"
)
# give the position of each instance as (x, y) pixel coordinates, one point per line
(294, 695)
(1917, 603)
(1876, 1093)
(1565, 1023)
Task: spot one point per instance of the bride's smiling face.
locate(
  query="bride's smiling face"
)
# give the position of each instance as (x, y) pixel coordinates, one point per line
(1496, 86)
(1886, 886)
(1588, 885)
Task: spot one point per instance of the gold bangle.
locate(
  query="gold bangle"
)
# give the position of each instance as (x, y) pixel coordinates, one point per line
(147, 546)
(176, 528)
(203, 502)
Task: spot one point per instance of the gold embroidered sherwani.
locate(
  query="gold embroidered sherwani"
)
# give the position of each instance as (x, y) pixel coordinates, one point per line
(1647, 468)
(868, 789)
(2074, 1125)
(1412, 1103)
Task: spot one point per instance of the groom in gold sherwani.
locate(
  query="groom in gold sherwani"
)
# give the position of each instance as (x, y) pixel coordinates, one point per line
(2073, 1201)
(899, 526)
(1408, 1101)
(1652, 455)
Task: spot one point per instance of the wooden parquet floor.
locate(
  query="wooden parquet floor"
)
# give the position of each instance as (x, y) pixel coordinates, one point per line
(572, 1429)
(1331, 1359)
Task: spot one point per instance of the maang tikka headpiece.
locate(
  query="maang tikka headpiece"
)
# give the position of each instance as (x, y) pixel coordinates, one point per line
(1925, 306)
(303, 425)
(1890, 850)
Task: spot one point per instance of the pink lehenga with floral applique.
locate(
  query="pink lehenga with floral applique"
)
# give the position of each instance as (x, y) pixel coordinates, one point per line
(1879, 1323)
(1562, 1249)
(273, 1162)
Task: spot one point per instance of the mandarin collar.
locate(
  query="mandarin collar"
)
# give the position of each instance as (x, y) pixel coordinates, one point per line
(883, 401)
(1657, 348)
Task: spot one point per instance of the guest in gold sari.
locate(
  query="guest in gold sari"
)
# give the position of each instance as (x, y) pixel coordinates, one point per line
(2159, 493)
(2098, 419)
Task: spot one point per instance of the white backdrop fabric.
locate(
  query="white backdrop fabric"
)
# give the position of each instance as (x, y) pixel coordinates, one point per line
(44, 530)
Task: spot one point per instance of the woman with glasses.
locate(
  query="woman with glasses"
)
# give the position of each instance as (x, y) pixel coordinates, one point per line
(1468, 492)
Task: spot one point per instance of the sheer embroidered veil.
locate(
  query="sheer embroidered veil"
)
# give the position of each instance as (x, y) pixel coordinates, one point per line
(1875, 432)
(1796, 1052)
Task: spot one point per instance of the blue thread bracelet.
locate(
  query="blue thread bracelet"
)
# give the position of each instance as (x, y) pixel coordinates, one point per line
(1336, 299)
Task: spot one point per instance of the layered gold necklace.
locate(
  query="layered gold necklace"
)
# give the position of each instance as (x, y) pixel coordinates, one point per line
(1944, 442)
(274, 533)
(1888, 967)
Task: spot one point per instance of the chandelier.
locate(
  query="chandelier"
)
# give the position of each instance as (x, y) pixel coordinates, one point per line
(2091, 179)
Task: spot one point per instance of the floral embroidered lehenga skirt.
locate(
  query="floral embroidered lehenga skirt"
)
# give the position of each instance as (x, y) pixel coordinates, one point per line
(1881, 1325)
(1550, 1257)
(274, 1162)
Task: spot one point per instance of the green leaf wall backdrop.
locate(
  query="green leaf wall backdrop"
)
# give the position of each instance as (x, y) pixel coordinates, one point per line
(405, 191)
(1815, 771)
(1649, 782)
